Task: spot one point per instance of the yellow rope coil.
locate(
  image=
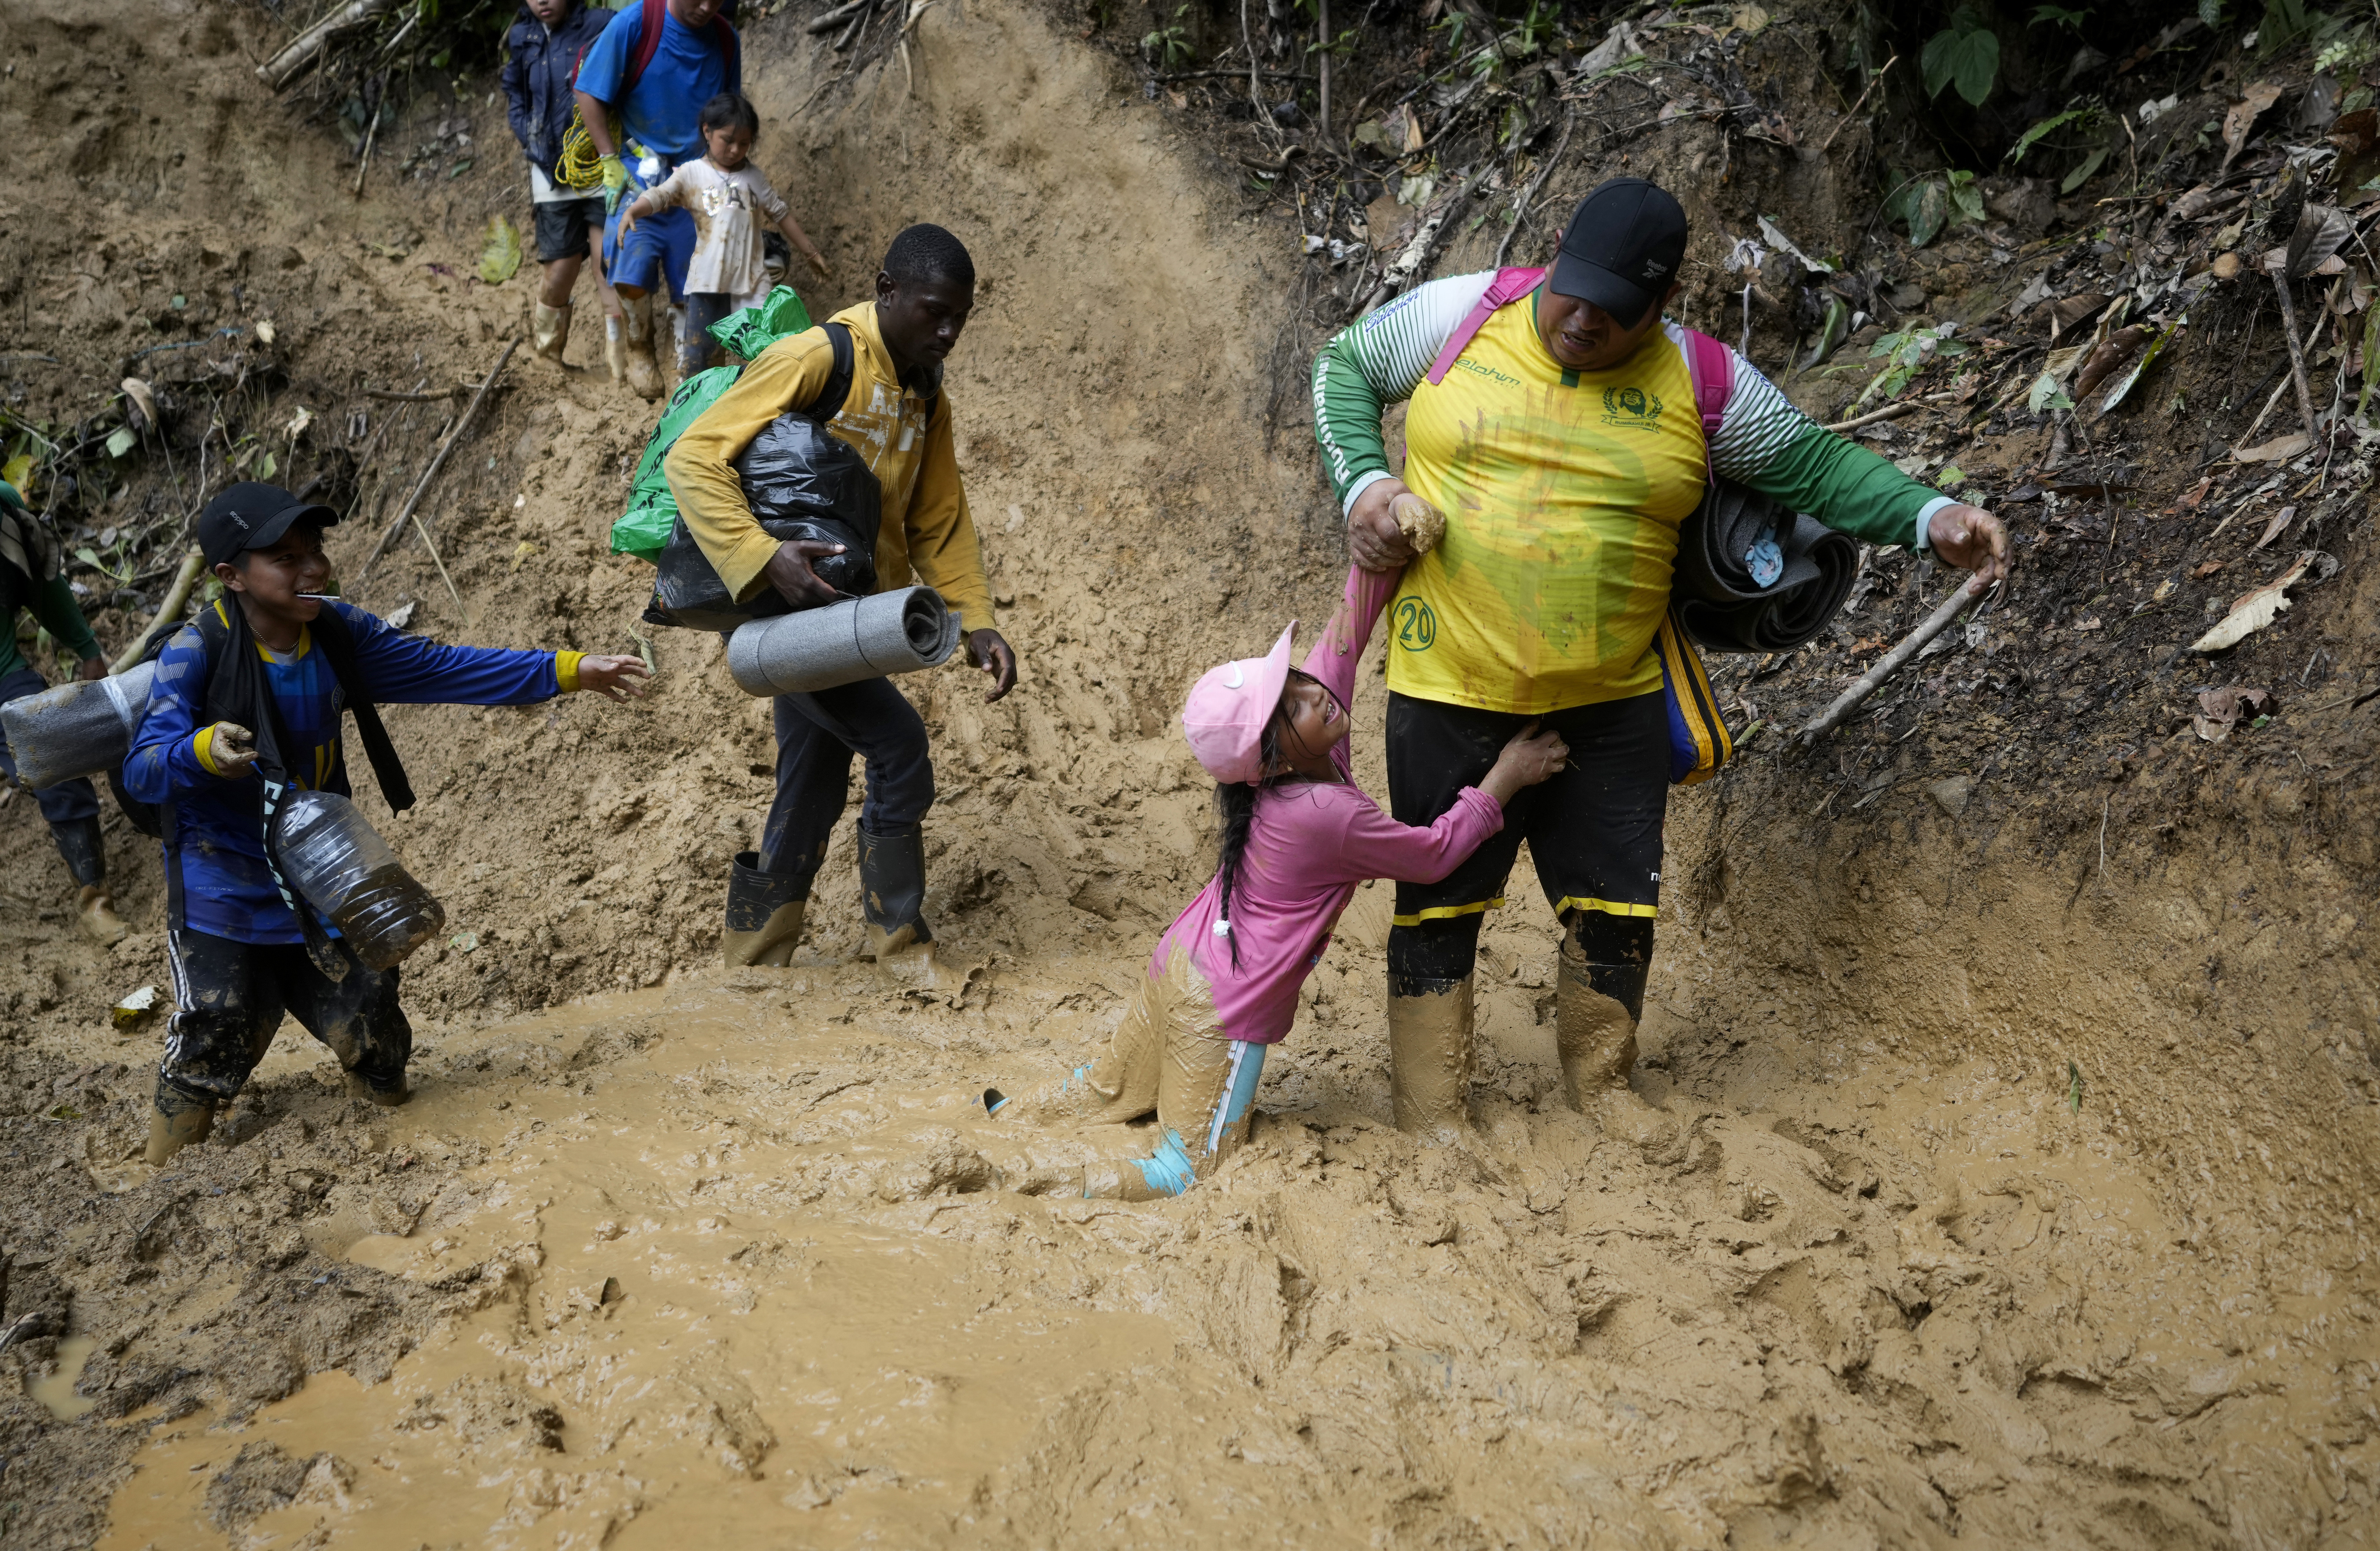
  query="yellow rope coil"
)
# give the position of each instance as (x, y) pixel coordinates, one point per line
(581, 164)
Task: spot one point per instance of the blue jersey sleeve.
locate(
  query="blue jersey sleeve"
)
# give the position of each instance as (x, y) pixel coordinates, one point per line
(608, 56)
(163, 763)
(398, 669)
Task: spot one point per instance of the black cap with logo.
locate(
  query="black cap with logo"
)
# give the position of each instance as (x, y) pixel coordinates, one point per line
(1621, 248)
(251, 516)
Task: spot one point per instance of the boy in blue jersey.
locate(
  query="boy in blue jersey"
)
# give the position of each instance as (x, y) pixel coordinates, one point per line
(247, 704)
(655, 65)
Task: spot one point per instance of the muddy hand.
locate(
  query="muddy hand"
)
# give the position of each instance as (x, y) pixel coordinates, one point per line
(789, 571)
(1971, 539)
(232, 750)
(92, 671)
(988, 650)
(615, 678)
(1373, 537)
(1531, 756)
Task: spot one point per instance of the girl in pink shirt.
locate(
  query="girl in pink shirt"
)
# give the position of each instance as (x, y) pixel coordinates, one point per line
(1298, 836)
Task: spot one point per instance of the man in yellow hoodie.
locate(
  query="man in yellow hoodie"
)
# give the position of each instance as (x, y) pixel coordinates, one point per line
(897, 417)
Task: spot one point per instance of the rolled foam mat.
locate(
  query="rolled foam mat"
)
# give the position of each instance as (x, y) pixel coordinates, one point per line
(897, 632)
(1721, 602)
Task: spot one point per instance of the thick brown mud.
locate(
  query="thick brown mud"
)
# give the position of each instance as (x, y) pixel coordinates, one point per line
(2018, 1189)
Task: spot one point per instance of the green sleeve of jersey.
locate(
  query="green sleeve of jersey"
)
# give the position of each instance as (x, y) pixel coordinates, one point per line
(1347, 410)
(1842, 485)
(55, 606)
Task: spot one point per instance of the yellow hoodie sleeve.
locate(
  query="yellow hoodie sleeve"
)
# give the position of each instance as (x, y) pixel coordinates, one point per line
(943, 549)
(701, 466)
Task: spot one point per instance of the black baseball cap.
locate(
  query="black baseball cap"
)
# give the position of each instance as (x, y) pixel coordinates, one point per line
(251, 516)
(1621, 248)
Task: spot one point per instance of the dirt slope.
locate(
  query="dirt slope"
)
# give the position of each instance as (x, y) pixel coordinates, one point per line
(723, 1258)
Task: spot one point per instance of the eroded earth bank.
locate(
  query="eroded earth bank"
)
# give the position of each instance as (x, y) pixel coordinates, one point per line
(2022, 1047)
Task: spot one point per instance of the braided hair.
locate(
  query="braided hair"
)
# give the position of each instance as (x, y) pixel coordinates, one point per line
(1235, 806)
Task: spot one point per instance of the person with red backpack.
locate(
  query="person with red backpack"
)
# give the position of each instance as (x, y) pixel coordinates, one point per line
(655, 65)
(1565, 431)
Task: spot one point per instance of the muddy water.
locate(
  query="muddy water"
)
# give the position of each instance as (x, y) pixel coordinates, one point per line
(738, 1261)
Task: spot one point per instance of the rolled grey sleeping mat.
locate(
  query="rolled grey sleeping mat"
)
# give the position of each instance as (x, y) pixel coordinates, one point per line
(77, 729)
(330, 855)
(896, 632)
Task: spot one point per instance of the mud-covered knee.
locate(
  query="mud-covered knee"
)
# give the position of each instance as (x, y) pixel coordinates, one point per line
(1611, 955)
(1441, 949)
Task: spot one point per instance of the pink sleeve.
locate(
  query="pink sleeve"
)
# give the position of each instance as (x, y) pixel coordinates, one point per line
(1341, 646)
(1374, 845)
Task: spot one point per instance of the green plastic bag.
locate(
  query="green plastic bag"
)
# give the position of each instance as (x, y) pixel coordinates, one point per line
(645, 527)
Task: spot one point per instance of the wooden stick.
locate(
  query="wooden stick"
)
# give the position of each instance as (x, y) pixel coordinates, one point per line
(168, 613)
(392, 395)
(1521, 210)
(283, 67)
(826, 21)
(1322, 29)
(370, 136)
(2297, 359)
(389, 536)
(1855, 107)
(1891, 662)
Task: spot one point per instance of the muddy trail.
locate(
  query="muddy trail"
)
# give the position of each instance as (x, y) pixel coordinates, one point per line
(2021, 1035)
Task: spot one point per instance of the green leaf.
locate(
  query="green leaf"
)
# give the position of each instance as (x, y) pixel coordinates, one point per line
(2025, 142)
(2081, 174)
(2211, 12)
(1966, 198)
(121, 441)
(1950, 475)
(1965, 55)
(1923, 205)
(265, 465)
(500, 250)
(2046, 395)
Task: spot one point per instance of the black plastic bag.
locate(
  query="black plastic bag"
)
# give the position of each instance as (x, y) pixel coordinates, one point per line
(801, 481)
(1753, 576)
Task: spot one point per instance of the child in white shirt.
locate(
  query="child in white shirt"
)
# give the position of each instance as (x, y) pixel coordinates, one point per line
(727, 196)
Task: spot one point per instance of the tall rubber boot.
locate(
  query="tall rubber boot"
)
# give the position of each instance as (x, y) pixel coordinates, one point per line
(1594, 1035)
(175, 1121)
(1429, 1055)
(549, 331)
(637, 330)
(892, 896)
(615, 347)
(764, 920)
(84, 849)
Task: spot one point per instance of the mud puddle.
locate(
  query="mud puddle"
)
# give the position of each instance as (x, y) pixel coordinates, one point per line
(748, 1262)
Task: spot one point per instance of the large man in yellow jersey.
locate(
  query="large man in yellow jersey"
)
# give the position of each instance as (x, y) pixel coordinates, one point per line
(897, 415)
(1565, 448)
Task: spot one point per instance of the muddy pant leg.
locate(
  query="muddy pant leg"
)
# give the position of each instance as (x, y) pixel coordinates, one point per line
(696, 348)
(228, 1000)
(1119, 1083)
(358, 1016)
(1206, 1099)
(817, 735)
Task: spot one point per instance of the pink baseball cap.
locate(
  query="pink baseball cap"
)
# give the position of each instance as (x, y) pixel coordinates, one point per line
(1228, 709)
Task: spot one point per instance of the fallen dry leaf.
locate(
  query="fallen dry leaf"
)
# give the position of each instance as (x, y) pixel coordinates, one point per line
(2281, 519)
(2209, 568)
(2219, 709)
(2242, 119)
(2227, 266)
(2253, 611)
(2275, 451)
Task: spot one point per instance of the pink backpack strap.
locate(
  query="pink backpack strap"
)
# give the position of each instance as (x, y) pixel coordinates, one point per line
(1509, 286)
(1712, 367)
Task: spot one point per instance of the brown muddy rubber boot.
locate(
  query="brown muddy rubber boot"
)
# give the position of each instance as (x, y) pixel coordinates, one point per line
(175, 1122)
(637, 330)
(387, 1099)
(549, 331)
(615, 347)
(1429, 1056)
(764, 920)
(1595, 1039)
(95, 913)
(892, 896)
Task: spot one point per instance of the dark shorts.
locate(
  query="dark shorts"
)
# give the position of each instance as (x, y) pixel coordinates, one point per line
(562, 227)
(232, 996)
(1594, 829)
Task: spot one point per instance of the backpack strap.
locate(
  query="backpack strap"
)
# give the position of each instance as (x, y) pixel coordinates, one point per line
(338, 646)
(837, 388)
(1712, 367)
(648, 42)
(1509, 286)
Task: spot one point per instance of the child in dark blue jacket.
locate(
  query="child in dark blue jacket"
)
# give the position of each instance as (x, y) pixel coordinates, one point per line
(239, 953)
(542, 55)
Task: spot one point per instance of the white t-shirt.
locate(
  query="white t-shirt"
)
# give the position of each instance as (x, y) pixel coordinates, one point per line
(543, 190)
(728, 208)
